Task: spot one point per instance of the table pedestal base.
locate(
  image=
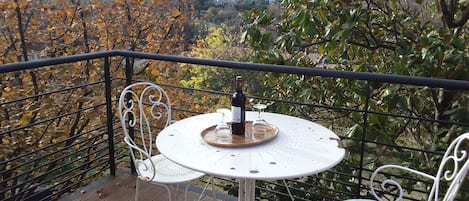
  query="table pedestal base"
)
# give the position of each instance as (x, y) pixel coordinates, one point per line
(247, 190)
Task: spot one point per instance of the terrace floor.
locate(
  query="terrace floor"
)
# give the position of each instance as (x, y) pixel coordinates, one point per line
(122, 188)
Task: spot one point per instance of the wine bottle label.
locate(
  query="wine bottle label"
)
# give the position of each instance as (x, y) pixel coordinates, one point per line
(236, 111)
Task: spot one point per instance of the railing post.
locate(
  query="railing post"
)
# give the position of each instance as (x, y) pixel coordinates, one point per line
(110, 119)
(362, 150)
(129, 71)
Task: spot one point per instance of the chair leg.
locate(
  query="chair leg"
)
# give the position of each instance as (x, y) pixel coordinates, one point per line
(213, 188)
(185, 191)
(136, 190)
(168, 189)
(210, 181)
(175, 192)
(170, 192)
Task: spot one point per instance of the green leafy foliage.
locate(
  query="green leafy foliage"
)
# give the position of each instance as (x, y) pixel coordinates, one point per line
(221, 44)
(368, 36)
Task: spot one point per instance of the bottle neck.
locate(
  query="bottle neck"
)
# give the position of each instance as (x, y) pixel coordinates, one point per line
(239, 85)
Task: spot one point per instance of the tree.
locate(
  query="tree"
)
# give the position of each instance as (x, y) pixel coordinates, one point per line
(221, 43)
(375, 36)
(45, 29)
(416, 38)
(201, 6)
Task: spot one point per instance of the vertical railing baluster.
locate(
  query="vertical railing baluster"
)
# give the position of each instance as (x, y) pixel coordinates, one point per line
(129, 71)
(128, 80)
(110, 116)
(364, 132)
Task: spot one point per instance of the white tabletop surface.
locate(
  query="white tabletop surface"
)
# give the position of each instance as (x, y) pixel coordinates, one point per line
(301, 148)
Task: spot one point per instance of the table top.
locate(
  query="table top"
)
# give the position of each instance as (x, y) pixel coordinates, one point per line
(301, 148)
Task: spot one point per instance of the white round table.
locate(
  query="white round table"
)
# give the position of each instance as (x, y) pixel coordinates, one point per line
(301, 148)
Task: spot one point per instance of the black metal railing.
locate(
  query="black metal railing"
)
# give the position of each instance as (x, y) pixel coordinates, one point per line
(59, 134)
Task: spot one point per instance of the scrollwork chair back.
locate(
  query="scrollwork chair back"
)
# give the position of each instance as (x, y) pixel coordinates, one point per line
(452, 170)
(143, 107)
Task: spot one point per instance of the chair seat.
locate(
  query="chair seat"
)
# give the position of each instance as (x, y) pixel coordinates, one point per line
(167, 172)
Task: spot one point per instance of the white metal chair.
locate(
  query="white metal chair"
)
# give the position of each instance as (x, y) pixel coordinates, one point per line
(453, 170)
(144, 107)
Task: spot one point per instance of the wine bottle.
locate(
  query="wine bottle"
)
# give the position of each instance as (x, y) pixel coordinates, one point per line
(238, 108)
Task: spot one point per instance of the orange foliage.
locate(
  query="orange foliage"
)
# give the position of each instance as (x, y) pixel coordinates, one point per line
(61, 28)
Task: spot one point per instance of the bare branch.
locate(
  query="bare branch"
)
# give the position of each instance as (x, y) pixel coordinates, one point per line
(449, 14)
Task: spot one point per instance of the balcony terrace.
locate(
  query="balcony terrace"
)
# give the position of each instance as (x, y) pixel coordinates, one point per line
(62, 139)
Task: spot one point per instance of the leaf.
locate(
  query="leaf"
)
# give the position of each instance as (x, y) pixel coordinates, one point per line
(453, 58)
(458, 43)
(175, 12)
(154, 71)
(244, 37)
(321, 49)
(34, 22)
(67, 39)
(25, 118)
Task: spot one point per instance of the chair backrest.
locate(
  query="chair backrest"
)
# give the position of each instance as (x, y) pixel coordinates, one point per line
(452, 172)
(453, 168)
(143, 108)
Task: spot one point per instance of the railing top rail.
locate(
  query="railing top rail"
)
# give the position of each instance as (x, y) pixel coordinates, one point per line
(397, 79)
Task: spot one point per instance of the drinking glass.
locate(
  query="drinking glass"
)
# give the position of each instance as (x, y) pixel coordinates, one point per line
(259, 126)
(223, 130)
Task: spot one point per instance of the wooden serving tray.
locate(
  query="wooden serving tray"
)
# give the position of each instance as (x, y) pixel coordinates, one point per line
(248, 139)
